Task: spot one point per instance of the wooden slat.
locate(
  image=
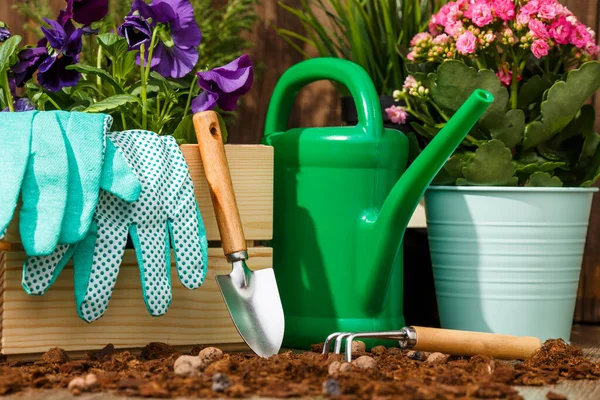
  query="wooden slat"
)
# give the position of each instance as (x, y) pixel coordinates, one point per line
(252, 175)
(32, 324)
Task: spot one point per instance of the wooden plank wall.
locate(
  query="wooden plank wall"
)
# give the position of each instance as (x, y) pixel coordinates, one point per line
(318, 105)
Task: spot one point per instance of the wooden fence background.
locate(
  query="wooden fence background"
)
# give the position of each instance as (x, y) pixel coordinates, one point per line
(318, 105)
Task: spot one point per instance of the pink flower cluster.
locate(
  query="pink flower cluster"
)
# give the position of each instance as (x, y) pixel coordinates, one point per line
(466, 28)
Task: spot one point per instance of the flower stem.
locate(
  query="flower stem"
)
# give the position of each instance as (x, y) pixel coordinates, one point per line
(99, 65)
(54, 103)
(123, 120)
(144, 95)
(514, 86)
(151, 51)
(8, 94)
(189, 99)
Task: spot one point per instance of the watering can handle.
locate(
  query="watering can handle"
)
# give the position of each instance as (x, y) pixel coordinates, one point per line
(345, 72)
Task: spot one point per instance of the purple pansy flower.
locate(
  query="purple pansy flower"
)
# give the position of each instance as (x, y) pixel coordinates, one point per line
(175, 54)
(84, 11)
(136, 30)
(29, 61)
(4, 32)
(22, 105)
(224, 86)
(65, 46)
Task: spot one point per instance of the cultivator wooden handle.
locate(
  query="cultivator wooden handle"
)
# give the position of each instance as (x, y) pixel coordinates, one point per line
(465, 343)
(214, 160)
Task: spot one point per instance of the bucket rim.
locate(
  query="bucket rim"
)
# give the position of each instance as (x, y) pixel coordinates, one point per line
(521, 189)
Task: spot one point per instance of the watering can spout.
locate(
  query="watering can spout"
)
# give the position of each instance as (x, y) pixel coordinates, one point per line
(387, 230)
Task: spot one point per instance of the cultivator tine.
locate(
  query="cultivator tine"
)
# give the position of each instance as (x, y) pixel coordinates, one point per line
(349, 336)
(329, 340)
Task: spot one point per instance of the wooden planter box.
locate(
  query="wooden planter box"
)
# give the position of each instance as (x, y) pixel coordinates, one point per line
(33, 324)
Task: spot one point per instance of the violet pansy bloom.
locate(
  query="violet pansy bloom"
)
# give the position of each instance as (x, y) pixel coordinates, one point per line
(137, 31)
(84, 11)
(4, 32)
(64, 48)
(175, 53)
(223, 86)
(22, 105)
(29, 61)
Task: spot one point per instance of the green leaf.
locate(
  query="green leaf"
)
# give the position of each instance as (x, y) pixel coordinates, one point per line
(565, 99)
(543, 179)
(425, 130)
(88, 69)
(510, 128)
(112, 103)
(492, 165)
(128, 64)
(531, 162)
(185, 133)
(114, 44)
(7, 49)
(456, 82)
(452, 169)
(533, 89)
(149, 89)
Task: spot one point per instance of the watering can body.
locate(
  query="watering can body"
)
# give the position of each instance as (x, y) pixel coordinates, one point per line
(339, 211)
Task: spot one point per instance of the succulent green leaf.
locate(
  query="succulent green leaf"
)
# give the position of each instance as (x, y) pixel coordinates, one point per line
(452, 169)
(593, 170)
(425, 130)
(565, 99)
(586, 121)
(456, 82)
(531, 162)
(510, 128)
(492, 165)
(543, 179)
(533, 89)
(112, 103)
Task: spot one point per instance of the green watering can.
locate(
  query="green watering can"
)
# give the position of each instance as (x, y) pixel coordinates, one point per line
(342, 201)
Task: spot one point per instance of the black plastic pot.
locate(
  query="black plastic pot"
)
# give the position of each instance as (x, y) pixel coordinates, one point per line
(420, 305)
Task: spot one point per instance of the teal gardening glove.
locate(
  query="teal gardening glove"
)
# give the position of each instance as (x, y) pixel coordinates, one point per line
(58, 161)
(165, 214)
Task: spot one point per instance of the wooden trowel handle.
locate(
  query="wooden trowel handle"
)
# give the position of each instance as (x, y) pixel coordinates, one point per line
(212, 152)
(464, 343)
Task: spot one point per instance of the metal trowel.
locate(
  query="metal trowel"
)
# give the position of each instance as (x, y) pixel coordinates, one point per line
(252, 297)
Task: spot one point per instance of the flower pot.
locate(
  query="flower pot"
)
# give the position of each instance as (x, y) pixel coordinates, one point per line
(507, 260)
(419, 292)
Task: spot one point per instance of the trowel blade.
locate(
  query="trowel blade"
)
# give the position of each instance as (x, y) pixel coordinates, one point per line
(255, 307)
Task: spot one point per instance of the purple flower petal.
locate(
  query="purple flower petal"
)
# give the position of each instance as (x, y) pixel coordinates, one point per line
(56, 36)
(164, 11)
(4, 34)
(29, 61)
(205, 101)
(88, 11)
(189, 37)
(230, 82)
(173, 61)
(53, 74)
(136, 30)
(74, 44)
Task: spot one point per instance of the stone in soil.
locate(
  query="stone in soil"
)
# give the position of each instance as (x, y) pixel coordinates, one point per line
(378, 350)
(331, 387)
(437, 358)
(555, 396)
(291, 374)
(358, 347)
(188, 366)
(220, 382)
(417, 355)
(55, 355)
(365, 362)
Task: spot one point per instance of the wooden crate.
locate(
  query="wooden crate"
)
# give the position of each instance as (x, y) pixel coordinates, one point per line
(33, 324)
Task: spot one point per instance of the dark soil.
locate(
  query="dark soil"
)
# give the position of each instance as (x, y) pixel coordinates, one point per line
(286, 375)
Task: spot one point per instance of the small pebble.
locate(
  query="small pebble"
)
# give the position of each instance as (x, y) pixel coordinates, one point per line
(555, 396)
(331, 387)
(337, 367)
(55, 355)
(76, 383)
(209, 355)
(221, 382)
(365, 362)
(378, 350)
(82, 384)
(437, 358)
(358, 346)
(188, 366)
(417, 355)
(394, 350)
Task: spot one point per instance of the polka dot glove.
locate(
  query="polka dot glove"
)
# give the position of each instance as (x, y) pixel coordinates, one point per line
(166, 214)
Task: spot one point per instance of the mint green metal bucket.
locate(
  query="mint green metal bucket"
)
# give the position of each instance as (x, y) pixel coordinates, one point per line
(507, 260)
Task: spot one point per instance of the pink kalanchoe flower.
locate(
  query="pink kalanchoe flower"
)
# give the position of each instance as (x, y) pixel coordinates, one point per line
(540, 48)
(505, 76)
(433, 28)
(455, 30)
(549, 10)
(560, 30)
(504, 9)
(397, 115)
(420, 38)
(441, 39)
(481, 14)
(523, 19)
(580, 36)
(538, 29)
(410, 83)
(466, 43)
(531, 8)
(411, 56)
(592, 49)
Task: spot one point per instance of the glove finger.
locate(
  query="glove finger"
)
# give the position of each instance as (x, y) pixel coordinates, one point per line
(118, 177)
(188, 239)
(96, 263)
(45, 185)
(15, 136)
(39, 273)
(154, 260)
(85, 138)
